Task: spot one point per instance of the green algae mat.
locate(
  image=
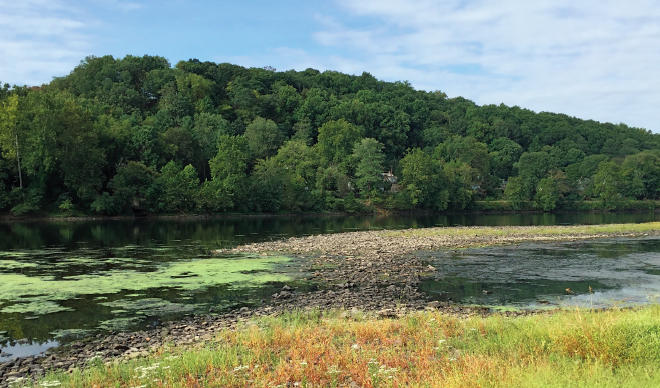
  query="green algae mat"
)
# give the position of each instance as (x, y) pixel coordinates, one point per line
(62, 294)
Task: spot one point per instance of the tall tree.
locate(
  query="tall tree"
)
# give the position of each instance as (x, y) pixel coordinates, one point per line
(369, 154)
(9, 133)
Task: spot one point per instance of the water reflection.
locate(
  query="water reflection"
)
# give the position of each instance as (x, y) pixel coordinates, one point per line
(224, 232)
(596, 273)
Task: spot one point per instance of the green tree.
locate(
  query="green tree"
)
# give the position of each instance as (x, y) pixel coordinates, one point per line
(547, 194)
(133, 190)
(460, 178)
(264, 137)
(642, 174)
(422, 181)
(608, 183)
(466, 150)
(336, 141)
(229, 170)
(9, 133)
(296, 164)
(515, 192)
(503, 154)
(532, 167)
(369, 154)
(180, 188)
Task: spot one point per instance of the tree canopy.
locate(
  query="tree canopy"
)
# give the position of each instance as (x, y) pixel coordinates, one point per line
(136, 134)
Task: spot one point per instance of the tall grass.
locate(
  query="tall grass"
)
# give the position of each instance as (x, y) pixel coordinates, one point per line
(426, 349)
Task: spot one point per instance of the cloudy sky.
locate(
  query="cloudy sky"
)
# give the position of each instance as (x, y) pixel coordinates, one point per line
(591, 59)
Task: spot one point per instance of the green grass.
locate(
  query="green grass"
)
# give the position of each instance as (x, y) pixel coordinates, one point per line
(527, 230)
(575, 348)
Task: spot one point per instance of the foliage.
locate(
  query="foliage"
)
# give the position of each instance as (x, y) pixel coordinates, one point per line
(516, 192)
(370, 158)
(133, 134)
(547, 194)
(264, 137)
(608, 182)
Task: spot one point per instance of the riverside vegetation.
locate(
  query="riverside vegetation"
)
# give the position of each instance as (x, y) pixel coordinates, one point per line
(611, 348)
(365, 325)
(202, 137)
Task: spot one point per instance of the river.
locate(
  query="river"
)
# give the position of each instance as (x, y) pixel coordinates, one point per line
(64, 280)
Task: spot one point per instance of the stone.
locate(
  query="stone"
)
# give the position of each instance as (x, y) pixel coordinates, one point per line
(434, 304)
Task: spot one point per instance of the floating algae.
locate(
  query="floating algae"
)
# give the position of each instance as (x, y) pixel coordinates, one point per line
(11, 265)
(34, 294)
(38, 306)
(150, 306)
(120, 324)
(69, 334)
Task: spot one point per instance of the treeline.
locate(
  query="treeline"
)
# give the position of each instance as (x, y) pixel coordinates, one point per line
(120, 136)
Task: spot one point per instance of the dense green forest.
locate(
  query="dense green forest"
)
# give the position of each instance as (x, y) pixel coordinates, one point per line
(136, 135)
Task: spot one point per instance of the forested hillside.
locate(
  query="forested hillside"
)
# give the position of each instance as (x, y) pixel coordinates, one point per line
(136, 135)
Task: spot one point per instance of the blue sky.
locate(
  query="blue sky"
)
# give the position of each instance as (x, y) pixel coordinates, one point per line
(590, 59)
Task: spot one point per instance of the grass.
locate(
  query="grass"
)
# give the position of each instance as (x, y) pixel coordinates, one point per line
(526, 230)
(575, 348)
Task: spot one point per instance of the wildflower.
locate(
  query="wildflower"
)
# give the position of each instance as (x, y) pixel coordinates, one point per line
(17, 380)
(355, 346)
(51, 383)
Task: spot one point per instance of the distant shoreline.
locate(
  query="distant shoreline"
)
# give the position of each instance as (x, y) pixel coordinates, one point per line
(191, 216)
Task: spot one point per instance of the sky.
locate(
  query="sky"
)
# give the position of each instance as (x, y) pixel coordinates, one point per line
(590, 59)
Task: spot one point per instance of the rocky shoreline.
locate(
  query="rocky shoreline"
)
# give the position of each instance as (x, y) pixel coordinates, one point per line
(375, 272)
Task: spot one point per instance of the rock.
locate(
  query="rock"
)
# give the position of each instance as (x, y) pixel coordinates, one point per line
(5, 355)
(430, 268)
(486, 292)
(22, 341)
(283, 295)
(387, 313)
(287, 288)
(434, 304)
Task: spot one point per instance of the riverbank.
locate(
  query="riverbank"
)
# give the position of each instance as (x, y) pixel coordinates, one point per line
(478, 208)
(614, 348)
(375, 273)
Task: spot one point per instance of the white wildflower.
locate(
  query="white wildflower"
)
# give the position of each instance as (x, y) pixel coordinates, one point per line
(51, 383)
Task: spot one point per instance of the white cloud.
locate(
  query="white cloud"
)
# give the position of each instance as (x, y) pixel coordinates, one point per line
(40, 39)
(591, 59)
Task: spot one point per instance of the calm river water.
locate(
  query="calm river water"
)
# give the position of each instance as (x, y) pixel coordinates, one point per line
(63, 280)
